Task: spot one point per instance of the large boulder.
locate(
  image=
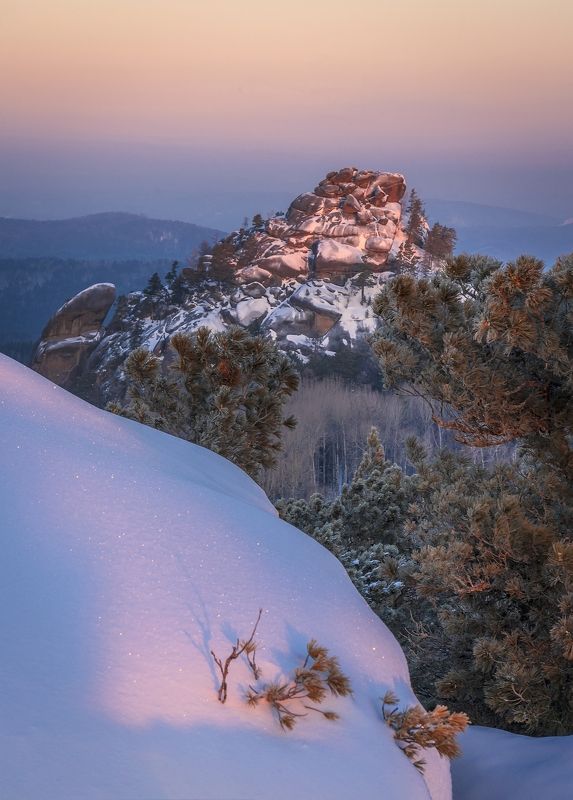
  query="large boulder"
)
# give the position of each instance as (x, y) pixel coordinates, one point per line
(333, 257)
(251, 310)
(73, 333)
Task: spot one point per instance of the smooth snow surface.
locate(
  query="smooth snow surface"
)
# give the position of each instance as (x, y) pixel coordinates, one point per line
(127, 555)
(496, 765)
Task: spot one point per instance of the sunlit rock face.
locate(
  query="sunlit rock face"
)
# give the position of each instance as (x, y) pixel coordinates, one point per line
(73, 333)
(349, 223)
(306, 278)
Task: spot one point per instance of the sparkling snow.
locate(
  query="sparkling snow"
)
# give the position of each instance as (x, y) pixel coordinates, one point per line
(127, 555)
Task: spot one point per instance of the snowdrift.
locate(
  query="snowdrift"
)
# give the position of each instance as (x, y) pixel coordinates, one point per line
(497, 765)
(127, 555)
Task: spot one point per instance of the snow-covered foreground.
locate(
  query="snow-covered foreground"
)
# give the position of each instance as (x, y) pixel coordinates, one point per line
(497, 765)
(126, 556)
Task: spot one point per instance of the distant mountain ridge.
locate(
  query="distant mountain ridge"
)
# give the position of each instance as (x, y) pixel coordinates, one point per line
(503, 233)
(45, 262)
(109, 235)
(463, 214)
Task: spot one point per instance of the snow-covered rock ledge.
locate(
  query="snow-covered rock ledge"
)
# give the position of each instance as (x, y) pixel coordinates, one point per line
(126, 556)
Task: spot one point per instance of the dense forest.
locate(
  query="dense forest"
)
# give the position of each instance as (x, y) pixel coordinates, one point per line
(32, 289)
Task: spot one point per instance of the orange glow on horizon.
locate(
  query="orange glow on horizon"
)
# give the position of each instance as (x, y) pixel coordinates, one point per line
(274, 76)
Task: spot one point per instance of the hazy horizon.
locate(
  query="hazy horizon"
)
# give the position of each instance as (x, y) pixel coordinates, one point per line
(210, 112)
(219, 190)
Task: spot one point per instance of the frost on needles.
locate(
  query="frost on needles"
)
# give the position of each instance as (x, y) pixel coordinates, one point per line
(224, 391)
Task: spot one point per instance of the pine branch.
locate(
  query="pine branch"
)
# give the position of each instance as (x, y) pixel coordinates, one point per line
(318, 675)
(247, 646)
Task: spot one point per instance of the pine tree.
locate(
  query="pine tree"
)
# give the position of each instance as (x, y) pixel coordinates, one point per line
(439, 244)
(198, 267)
(258, 222)
(180, 289)
(154, 286)
(491, 349)
(370, 508)
(222, 261)
(407, 256)
(171, 275)
(361, 274)
(224, 391)
(365, 529)
(492, 556)
(472, 566)
(416, 217)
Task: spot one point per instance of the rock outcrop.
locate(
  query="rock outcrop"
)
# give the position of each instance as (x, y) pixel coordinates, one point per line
(304, 318)
(350, 223)
(73, 333)
(306, 278)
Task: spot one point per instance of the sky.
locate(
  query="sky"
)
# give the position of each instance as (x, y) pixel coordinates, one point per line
(208, 111)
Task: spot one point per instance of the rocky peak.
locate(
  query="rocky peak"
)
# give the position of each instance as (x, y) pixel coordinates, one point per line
(306, 278)
(350, 223)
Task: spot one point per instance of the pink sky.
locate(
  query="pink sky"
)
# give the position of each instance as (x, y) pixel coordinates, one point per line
(446, 80)
(252, 70)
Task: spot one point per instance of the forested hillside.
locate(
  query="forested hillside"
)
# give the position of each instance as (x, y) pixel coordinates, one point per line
(45, 262)
(110, 235)
(31, 289)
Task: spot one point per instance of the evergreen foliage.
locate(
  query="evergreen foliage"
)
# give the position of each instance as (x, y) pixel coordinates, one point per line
(370, 509)
(415, 728)
(224, 391)
(171, 275)
(415, 227)
(493, 555)
(407, 256)
(489, 347)
(364, 528)
(477, 589)
(317, 677)
(472, 566)
(180, 288)
(439, 244)
(154, 286)
(356, 365)
(221, 265)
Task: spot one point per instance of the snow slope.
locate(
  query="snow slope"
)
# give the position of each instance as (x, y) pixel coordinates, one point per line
(497, 765)
(126, 556)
